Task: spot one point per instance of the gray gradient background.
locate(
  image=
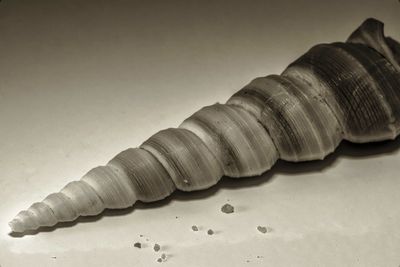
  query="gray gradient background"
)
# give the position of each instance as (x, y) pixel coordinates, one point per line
(82, 80)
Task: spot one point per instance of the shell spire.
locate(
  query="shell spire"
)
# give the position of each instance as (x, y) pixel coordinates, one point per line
(333, 92)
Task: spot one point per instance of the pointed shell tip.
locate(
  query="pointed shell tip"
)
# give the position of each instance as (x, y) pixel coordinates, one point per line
(16, 226)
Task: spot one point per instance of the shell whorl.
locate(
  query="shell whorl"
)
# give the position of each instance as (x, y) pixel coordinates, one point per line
(334, 91)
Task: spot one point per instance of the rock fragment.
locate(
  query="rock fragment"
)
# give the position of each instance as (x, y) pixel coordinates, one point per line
(227, 208)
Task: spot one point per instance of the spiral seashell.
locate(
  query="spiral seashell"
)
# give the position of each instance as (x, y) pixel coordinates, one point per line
(334, 91)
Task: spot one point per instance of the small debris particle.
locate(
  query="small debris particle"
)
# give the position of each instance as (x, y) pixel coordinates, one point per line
(141, 235)
(186, 181)
(195, 228)
(163, 256)
(227, 208)
(210, 232)
(263, 229)
(159, 260)
(54, 257)
(156, 247)
(247, 261)
(137, 245)
(176, 217)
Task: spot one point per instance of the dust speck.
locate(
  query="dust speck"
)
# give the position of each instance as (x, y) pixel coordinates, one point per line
(263, 229)
(195, 228)
(210, 232)
(137, 245)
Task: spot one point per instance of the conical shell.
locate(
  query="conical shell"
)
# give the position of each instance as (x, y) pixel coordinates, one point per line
(348, 90)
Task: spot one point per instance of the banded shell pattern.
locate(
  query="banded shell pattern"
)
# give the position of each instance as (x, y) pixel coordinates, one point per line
(334, 91)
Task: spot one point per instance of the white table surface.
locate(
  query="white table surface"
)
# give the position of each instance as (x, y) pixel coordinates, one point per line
(83, 80)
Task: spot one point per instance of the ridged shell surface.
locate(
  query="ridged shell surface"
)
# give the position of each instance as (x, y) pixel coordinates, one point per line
(235, 137)
(301, 126)
(334, 91)
(361, 85)
(151, 181)
(186, 158)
